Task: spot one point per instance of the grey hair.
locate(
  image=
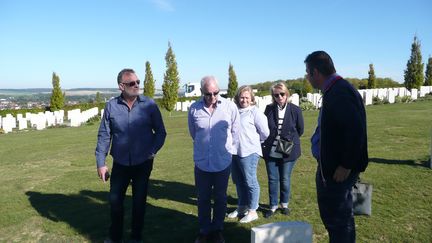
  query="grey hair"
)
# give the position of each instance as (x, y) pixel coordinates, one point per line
(120, 75)
(208, 79)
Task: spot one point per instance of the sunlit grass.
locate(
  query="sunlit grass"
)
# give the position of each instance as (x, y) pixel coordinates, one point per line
(50, 192)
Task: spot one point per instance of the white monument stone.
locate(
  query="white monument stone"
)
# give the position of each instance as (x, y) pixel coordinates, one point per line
(22, 123)
(177, 106)
(368, 97)
(282, 232)
(390, 96)
(295, 99)
(414, 93)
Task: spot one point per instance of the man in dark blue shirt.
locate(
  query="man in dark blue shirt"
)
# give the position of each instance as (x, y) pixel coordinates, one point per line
(132, 124)
(339, 144)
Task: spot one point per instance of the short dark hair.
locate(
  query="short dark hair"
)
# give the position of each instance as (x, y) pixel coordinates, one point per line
(125, 70)
(321, 61)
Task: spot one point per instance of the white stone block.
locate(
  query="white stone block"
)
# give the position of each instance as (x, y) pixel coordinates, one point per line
(282, 232)
(177, 106)
(22, 123)
(7, 123)
(309, 97)
(295, 99)
(316, 100)
(368, 97)
(382, 93)
(185, 106)
(390, 96)
(402, 92)
(414, 93)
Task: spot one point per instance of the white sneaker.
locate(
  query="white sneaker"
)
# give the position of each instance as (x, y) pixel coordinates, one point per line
(249, 218)
(236, 213)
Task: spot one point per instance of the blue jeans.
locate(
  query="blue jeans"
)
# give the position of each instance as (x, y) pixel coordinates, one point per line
(208, 184)
(336, 207)
(121, 176)
(279, 174)
(244, 175)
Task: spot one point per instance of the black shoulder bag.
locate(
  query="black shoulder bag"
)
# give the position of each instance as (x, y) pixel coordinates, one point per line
(283, 146)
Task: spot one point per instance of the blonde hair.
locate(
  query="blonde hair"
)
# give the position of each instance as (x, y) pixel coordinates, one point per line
(283, 87)
(242, 89)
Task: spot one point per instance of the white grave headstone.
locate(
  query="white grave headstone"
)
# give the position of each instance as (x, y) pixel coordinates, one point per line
(368, 97)
(414, 93)
(390, 96)
(295, 99)
(22, 123)
(282, 232)
(177, 106)
(7, 124)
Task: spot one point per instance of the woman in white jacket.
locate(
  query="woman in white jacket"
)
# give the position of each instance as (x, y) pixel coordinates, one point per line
(254, 130)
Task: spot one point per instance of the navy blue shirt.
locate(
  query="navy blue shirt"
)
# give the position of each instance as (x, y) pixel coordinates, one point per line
(134, 134)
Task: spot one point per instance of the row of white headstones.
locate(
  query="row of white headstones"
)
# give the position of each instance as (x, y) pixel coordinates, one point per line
(388, 94)
(75, 117)
(46, 119)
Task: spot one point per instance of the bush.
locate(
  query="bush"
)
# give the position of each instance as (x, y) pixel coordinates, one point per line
(406, 99)
(377, 101)
(93, 120)
(306, 105)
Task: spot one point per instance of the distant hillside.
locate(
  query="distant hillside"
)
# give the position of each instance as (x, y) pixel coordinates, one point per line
(77, 91)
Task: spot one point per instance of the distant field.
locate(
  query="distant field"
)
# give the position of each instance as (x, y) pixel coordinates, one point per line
(50, 191)
(69, 92)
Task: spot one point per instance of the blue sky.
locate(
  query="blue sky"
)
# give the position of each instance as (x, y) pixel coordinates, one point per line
(88, 42)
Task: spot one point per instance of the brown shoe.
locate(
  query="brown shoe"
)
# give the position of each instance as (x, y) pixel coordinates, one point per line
(201, 238)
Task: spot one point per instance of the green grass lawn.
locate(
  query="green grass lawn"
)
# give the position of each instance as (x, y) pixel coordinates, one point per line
(49, 190)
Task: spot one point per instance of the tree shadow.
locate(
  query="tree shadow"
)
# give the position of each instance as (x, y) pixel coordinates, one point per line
(88, 213)
(421, 163)
(177, 191)
(171, 190)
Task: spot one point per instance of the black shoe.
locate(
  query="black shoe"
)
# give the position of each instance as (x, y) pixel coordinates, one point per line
(217, 237)
(269, 214)
(108, 240)
(285, 211)
(201, 238)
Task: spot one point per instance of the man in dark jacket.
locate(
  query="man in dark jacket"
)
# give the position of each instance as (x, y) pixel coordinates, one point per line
(339, 144)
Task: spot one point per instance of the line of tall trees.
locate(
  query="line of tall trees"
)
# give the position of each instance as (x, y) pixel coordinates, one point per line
(414, 77)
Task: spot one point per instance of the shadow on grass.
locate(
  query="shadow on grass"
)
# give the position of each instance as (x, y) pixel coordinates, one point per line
(177, 191)
(424, 163)
(88, 213)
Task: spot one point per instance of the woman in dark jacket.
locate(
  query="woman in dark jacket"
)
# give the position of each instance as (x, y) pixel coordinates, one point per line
(285, 121)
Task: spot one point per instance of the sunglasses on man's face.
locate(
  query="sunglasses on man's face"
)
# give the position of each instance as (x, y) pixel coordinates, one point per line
(133, 83)
(211, 94)
(279, 94)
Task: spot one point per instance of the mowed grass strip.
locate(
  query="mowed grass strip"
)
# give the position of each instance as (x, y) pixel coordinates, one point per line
(50, 191)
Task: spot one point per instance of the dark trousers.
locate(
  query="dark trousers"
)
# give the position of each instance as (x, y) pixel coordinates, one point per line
(336, 207)
(210, 184)
(120, 180)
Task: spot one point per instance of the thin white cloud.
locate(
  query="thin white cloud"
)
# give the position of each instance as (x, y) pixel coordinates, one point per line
(164, 5)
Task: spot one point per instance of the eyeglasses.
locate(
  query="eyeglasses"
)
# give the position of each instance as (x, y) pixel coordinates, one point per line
(133, 83)
(279, 94)
(211, 94)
